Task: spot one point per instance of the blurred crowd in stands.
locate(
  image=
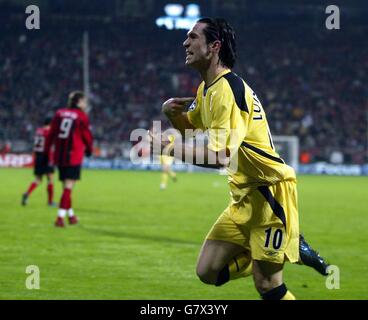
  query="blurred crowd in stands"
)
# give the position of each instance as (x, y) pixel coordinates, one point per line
(312, 84)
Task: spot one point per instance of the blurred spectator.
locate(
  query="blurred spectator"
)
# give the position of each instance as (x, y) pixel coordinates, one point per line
(6, 148)
(305, 157)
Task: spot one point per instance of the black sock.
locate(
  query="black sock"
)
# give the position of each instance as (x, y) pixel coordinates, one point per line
(275, 293)
(223, 276)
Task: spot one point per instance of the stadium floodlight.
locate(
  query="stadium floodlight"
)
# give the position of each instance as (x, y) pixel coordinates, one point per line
(174, 9)
(174, 18)
(192, 10)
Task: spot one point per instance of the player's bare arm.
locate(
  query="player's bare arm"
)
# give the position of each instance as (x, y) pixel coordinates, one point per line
(208, 158)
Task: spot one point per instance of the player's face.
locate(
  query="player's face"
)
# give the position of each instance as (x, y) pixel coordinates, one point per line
(196, 48)
(82, 104)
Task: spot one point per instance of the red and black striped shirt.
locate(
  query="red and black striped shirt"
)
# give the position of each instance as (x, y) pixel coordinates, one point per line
(71, 135)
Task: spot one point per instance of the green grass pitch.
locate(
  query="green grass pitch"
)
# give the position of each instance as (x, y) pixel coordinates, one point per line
(137, 242)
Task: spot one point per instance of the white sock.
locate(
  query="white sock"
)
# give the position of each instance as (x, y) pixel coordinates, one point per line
(70, 212)
(61, 213)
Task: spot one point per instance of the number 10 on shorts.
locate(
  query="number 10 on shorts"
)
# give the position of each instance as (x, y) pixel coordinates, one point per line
(273, 238)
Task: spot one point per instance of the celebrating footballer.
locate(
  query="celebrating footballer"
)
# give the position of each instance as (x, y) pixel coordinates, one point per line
(259, 231)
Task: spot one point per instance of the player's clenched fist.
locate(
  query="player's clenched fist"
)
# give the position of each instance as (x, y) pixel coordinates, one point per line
(176, 106)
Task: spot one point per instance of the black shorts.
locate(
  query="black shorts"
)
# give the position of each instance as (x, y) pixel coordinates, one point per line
(70, 172)
(41, 166)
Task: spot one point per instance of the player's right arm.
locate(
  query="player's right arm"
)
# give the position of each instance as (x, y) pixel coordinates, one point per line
(175, 111)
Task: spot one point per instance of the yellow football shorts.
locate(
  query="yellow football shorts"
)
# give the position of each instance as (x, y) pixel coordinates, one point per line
(264, 222)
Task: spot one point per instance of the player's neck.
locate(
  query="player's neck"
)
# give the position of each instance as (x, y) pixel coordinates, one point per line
(209, 74)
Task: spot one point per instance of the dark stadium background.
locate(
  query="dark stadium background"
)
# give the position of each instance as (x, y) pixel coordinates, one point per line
(310, 80)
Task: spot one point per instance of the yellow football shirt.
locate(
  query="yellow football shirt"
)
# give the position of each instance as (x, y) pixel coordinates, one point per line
(235, 120)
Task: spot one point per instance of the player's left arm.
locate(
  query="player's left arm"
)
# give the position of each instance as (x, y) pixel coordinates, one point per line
(201, 155)
(87, 136)
(216, 153)
(55, 123)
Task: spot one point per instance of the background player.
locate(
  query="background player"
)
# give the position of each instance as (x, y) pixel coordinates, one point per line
(167, 171)
(259, 231)
(166, 167)
(71, 135)
(41, 164)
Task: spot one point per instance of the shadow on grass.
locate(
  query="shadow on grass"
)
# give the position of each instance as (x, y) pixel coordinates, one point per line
(122, 234)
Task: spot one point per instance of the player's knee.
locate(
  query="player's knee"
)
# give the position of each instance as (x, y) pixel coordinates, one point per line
(262, 286)
(206, 275)
(266, 276)
(68, 184)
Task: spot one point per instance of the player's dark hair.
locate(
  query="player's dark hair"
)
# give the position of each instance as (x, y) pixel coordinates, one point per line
(47, 121)
(219, 29)
(74, 98)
